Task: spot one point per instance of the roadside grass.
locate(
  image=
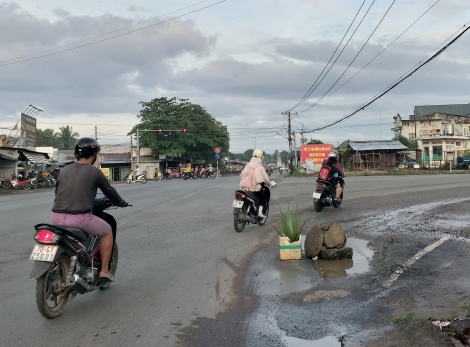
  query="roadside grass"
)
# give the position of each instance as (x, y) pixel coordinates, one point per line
(404, 318)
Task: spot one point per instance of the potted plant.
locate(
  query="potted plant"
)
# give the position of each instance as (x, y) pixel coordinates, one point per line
(289, 229)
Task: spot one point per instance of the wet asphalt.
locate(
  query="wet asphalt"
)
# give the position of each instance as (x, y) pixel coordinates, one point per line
(186, 278)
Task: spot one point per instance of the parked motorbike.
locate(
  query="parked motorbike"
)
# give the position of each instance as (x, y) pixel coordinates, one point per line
(6, 183)
(245, 208)
(19, 182)
(325, 194)
(140, 178)
(68, 261)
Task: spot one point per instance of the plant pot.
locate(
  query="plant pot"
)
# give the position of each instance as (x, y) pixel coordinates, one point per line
(289, 250)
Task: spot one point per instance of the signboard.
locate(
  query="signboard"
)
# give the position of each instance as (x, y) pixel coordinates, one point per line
(217, 150)
(28, 130)
(106, 172)
(317, 153)
(217, 156)
(309, 167)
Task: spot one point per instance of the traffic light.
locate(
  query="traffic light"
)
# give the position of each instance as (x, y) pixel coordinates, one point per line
(184, 130)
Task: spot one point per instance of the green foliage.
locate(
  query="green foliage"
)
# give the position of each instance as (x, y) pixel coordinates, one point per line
(290, 224)
(345, 155)
(64, 139)
(314, 142)
(411, 144)
(204, 132)
(466, 152)
(405, 318)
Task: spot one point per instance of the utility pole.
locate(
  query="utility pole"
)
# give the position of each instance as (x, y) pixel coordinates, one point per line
(138, 149)
(295, 150)
(289, 138)
(96, 133)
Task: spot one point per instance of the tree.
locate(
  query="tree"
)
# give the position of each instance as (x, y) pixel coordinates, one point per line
(47, 138)
(411, 144)
(67, 138)
(314, 142)
(202, 131)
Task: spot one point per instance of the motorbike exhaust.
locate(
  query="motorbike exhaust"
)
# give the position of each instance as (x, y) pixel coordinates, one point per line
(81, 286)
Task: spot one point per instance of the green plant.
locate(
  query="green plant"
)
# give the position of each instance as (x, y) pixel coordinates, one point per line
(290, 224)
(405, 318)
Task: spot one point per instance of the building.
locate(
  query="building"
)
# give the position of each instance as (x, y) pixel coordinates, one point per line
(17, 160)
(442, 132)
(376, 155)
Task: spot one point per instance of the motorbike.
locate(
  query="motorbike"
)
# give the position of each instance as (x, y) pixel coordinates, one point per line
(130, 178)
(188, 175)
(6, 183)
(167, 176)
(210, 174)
(325, 194)
(19, 182)
(67, 262)
(245, 208)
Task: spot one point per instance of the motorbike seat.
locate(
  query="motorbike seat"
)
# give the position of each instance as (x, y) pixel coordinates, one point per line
(77, 232)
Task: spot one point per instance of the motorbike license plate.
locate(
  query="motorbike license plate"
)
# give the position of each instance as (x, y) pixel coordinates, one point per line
(237, 204)
(43, 253)
(316, 195)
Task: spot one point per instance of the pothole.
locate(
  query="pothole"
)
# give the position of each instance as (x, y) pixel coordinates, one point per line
(360, 263)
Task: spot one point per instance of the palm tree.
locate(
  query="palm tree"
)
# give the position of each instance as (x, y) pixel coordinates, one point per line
(67, 137)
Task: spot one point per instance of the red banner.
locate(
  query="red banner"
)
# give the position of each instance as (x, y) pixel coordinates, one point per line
(317, 153)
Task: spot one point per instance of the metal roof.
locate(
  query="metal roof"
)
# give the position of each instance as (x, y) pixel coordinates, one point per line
(454, 109)
(377, 146)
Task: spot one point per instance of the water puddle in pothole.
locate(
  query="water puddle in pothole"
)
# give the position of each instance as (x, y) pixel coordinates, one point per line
(360, 263)
(329, 341)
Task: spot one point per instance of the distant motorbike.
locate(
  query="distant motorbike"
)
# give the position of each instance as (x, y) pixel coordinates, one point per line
(245, 208)
(325, 194)
(68, 262)
(140, 178)
(188, 175)
(6, 183)
(19, 182)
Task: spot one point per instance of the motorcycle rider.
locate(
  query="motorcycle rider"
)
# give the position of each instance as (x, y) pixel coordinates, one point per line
(335, 172)
(75, 193)
(251, 178)
(136, 172)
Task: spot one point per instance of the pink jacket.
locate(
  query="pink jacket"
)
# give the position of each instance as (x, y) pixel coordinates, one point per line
(253, 175)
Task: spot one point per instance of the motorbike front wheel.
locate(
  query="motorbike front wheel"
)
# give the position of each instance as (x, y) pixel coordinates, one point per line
(49, 298)
(27, 186)
(143, 180)
(6, 184)
(318, 206)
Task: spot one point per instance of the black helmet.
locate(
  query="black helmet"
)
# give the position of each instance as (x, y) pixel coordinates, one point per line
(86, 147)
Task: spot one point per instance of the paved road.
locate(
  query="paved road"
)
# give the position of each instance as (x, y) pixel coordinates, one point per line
(186, 278)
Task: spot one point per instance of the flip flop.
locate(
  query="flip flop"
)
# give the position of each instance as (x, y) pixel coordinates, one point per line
(108, 276)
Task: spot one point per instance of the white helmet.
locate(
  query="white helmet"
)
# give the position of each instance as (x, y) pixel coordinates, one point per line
(332, 155)
(258, 153)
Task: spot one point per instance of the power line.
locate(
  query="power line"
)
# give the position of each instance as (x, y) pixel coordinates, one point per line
(341, 52)
(354, 59)
(107, 33)
(395, 84)
(337, 47)
(113, 37)
(383, 50)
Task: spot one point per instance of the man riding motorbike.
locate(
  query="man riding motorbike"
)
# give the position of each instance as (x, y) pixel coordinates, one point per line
(252, 176)
(335, 172)
(75, 193)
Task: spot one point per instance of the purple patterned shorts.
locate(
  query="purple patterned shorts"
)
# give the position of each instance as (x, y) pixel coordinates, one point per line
(88, 222)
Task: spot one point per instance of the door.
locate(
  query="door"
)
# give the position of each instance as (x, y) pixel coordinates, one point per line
(116, 176)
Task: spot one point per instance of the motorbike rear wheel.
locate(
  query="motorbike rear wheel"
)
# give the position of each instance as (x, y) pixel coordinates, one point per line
(143, 180)
(112, 266)
(6, 184)
(318, 206)
(34, 184)
(238, 222)
(27, 186)
(47, 292)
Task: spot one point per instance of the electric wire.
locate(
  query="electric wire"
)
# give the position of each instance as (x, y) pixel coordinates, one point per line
(113, 37)
(337, 47)
(107, 33)
(341, 52)
(354, 59)
(373, 59)
(395, 84)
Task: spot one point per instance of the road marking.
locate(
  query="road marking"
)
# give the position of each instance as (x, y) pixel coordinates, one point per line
(412, 260)
(122, 223)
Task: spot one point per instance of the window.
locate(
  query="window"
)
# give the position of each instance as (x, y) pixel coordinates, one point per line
(425, 142)
(411, 136)
(437, 152)
(458, 144)
(465, 131)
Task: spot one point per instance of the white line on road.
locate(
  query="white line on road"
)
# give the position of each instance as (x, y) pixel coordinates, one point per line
(122, 223)
(412, 260)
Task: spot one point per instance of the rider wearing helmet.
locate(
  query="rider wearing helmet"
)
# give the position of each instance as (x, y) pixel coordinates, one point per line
(336, 171)
(75, 193)
(252, 176)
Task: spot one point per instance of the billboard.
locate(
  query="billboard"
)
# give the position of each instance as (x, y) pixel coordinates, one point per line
(28, 130)
(317, 153)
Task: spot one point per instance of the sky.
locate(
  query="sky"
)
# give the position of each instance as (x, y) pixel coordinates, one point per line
(246, 62)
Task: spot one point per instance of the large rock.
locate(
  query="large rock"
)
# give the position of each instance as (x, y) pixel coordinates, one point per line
(334, 237)
(313, 242)
(335, 253)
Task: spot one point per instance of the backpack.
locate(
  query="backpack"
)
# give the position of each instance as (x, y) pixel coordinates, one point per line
(327, 171)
